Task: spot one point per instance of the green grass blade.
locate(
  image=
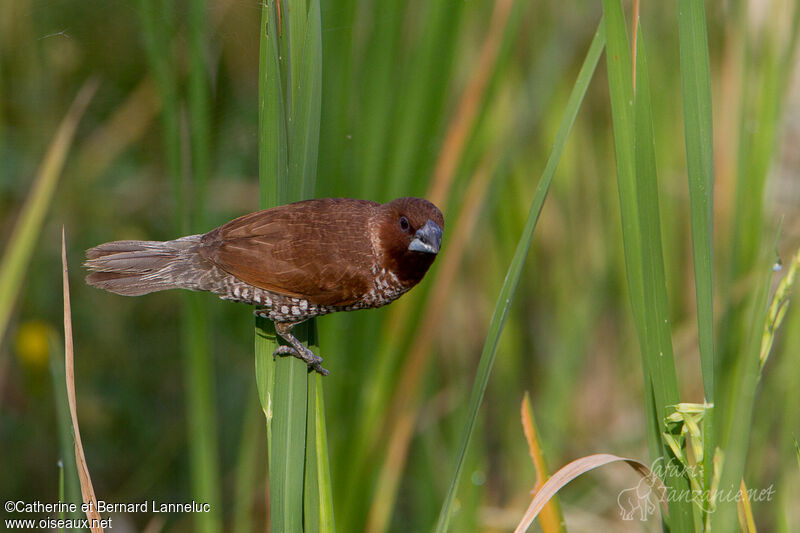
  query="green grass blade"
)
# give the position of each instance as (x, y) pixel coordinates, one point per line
(318, 489)
(657, 334)
(273, 185)
(265, 345)
(697, 121)
(199, 114)
(248, 466)
(156, 18)
(766, 75)
(620, 81)
(304, 137)
(287, 442)
(741, 398)
(201, 410)
(375, 119)
(201, 390)
(515, 269)
(696, 83)
(289, 121)
(273, 153)
(433, 58)
(638, 193)
(20, 246)
(294, 13)
(282, 384)
(620, 84)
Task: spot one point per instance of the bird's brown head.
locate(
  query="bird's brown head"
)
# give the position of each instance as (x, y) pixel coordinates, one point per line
(409, 234)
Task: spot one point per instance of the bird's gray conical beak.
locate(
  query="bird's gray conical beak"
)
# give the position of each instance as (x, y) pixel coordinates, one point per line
(427, 239)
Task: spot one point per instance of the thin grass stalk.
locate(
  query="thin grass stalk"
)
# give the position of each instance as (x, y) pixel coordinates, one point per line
(374, 119)
(735, 433)
(66, 448)
(515, 269)
(697, 121)
(199, 113)
(422, 102)
(201, 411)
(768, 65)
(61, 494)
(201, 414)
(473, 102)
(201, 390)
(789, 376)
(406, 398)
(249, 464)
(765, 72)
(154, 17)
(764, 82)
(405, 404)
(20, 246)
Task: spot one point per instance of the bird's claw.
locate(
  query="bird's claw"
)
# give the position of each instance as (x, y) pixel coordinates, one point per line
(313, 361)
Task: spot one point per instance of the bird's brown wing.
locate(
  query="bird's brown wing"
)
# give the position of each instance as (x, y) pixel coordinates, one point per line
(318, 250)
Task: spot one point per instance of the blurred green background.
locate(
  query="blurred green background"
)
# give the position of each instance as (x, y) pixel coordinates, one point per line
(455, 101)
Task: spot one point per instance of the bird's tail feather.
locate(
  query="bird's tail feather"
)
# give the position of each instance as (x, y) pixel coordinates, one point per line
(132, 268)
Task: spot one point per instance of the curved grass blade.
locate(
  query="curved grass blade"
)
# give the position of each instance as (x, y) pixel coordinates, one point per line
(574, 469)
(515, 269)
(23, 239)
(735, 431)
(87, 489)
(552, 521)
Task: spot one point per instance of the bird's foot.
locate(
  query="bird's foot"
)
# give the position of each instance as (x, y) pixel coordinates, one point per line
(313, 361)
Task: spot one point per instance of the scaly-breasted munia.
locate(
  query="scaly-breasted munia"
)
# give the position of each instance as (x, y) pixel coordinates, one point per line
(295, 261)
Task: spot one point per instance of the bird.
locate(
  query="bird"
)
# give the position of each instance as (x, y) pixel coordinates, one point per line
(293, 262)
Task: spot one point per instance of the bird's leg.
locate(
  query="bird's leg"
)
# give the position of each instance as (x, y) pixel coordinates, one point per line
(297, 349)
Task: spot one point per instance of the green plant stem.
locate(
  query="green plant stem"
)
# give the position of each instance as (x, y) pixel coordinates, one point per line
(696, 84)
(156, 17)
(515, 270)
(290, 88)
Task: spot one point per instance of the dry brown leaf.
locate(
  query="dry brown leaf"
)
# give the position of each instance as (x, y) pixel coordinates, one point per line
(746, 520)
(551, 519)
(87, 490)
(573, 470)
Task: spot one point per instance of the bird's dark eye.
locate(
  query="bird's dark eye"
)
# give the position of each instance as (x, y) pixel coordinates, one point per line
(404, 225)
